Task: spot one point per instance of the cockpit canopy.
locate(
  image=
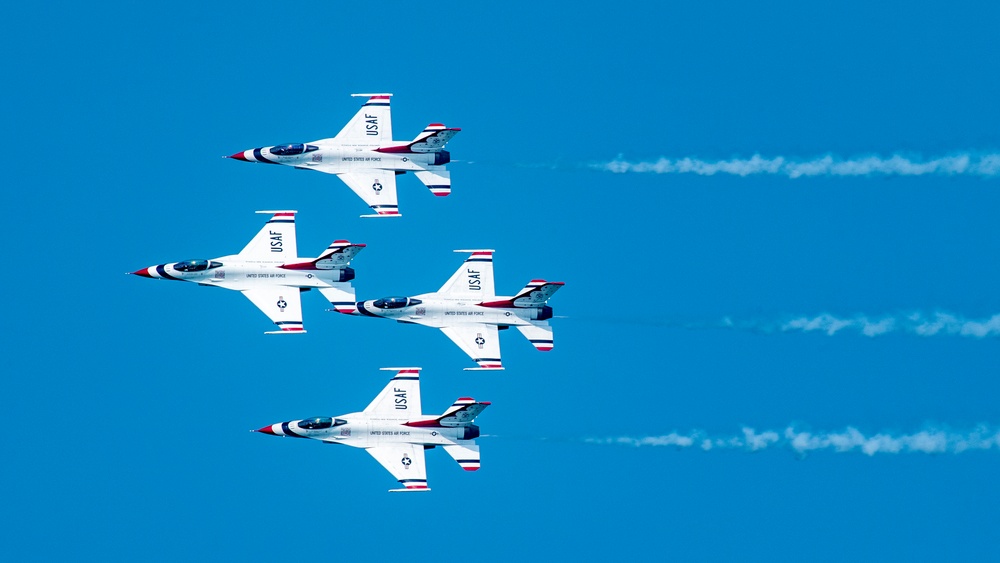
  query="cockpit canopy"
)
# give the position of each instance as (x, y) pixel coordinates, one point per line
(196, 265)
(395, 302)
(293, 149)
(320, 422)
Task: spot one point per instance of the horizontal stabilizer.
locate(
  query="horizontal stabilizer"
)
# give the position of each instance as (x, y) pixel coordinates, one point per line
(438, 181)
(342, 297)
(466, 453)
(413, 490)
(539, 333)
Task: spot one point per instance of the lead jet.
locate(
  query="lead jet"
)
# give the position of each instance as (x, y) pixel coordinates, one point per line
(393, 430)
(469, 312)
(366, 158)
(269, 273)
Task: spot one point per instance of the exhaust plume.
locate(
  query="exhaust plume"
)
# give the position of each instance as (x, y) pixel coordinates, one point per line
(965, 164)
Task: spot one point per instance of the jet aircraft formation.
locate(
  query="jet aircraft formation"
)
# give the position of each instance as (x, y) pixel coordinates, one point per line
(270, 273)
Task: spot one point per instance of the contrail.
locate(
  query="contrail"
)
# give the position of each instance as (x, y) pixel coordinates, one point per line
(920, 324)
(917, 323)
(964, 164)
(930, 441)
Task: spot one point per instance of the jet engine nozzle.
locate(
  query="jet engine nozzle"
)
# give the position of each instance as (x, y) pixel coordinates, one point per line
(346, 274)
(442, 157)
(545, 313)
(471, 432)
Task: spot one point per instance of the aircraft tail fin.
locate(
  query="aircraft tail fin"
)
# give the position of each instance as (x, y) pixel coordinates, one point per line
(340, 252)
(433, 138)
(335, 260)
(462, 412)
(536, 293)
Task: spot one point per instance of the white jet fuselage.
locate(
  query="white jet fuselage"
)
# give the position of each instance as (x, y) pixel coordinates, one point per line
(431, 310)
(232, 272)
(359, 430)
(336, 158)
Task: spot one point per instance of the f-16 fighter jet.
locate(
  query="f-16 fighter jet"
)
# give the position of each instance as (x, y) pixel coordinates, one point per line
(395, 432)
(469, 312)
(270, 273)
(366, 158)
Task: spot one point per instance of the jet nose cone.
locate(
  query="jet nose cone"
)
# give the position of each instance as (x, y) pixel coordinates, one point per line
(239, 156)
(143, 272)
(266, 430)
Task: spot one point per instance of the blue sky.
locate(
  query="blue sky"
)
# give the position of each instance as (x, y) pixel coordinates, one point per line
(128, 402)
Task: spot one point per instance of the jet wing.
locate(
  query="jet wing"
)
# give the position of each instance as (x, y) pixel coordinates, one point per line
(405, 462)
(276, 240)
(371, 126)
(474, 278)
(480, 341)
(400, 398)
(283, 305)
(377, 188)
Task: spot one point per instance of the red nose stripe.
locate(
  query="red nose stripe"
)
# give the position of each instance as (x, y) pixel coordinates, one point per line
(143, 272)
(267, 430)
(239, 156)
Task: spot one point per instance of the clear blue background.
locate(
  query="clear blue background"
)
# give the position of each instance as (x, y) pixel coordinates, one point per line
(127, 402)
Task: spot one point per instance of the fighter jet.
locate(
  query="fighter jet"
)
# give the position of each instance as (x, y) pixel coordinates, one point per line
(393, 430)
(366, 158)
(468, 311)
(270, 274)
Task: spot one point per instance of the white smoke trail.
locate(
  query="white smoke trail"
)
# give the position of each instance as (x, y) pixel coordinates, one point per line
(913, 323)
(930, 441)
(968, 164)
(918, 323)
